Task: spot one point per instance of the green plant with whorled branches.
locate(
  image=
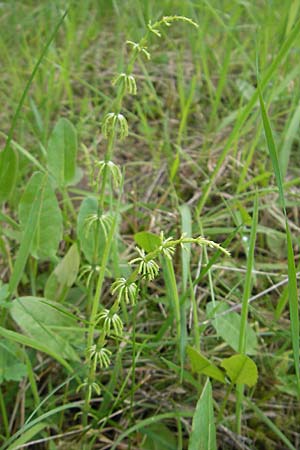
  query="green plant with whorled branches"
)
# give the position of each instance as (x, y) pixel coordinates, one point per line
(107, 322)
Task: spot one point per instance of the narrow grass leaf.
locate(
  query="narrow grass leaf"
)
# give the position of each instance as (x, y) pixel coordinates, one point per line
(31, 78)
(293, 304)
(248, 280)
(288, 140)
(28, 435)
(259, 413)
(244, 114)
(149, 421)
(203, 435)
(38, 420)
(186, 227)
(158, 436)
(240, 360)
(272, 149)
(292, 283)
(173, 297)
(34, 343)
(292, 15)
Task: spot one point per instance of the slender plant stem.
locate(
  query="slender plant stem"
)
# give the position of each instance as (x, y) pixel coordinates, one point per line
(4, 414)
(224, 403)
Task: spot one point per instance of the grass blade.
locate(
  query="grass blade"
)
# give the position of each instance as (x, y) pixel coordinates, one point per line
(28, 435)
(28, 84)
(173, 296)
(246, 111)
(292, 283)
(27, 238)
(186, 227)
(290, 135)
(149, 421)
(248, 280)
(270, 424)
(244, 313)
(45, 416)
(33, 343)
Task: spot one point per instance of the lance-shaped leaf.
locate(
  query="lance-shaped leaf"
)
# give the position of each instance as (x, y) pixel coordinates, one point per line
(62, 152)
(48, 219)
(46, 322)
(8, 172)
(63, 276)
(203, 435)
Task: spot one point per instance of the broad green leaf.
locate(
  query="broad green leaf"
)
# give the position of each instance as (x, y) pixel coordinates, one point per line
(13, 336)
(158, 436)
(48, 218)
(241, 369)
(202, 365)
(11, 367)
(46, 323)
(147, 241)
(203, 435)
(228, 327)
(8, 172)
(86, 234)
(62, 152)
(28, 235)
(64, 275)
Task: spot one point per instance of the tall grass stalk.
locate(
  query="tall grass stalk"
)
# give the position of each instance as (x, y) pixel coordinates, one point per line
(245, 306)
(292, 284)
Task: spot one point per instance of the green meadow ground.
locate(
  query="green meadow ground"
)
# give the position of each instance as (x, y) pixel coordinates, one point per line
(197, 161)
